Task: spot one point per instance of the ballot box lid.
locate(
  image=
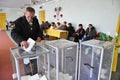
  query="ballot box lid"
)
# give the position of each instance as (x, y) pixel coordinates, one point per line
(94, 42)
(19, 53)
(61, 43)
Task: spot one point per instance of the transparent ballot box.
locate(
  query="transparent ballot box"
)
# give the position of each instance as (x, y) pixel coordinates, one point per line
(30, 65)
(95, 60)
(63, 59)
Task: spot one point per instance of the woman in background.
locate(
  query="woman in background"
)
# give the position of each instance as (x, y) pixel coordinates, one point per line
(90, 33)
(79, 33)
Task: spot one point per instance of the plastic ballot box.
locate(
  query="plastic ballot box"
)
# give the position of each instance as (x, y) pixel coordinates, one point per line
(63, 59)
(36, 60)
(95, 60)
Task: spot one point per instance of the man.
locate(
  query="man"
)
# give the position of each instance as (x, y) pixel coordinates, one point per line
(26, 27)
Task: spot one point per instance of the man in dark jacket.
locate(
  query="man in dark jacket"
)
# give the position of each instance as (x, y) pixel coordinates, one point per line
(70, 30)
(26, 27)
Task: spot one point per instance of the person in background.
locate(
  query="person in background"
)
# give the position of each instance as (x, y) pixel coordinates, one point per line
(47, 25)
(53, 26)
(58, 25)
(79, 33)
(64, 26)
(7, 25)
(70, 30)
(26, 27)
(42, 25)
(90, 33)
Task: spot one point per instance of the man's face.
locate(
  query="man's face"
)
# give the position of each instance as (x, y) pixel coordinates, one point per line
(29, 15)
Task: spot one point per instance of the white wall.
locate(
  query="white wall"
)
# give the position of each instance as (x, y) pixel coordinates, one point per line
(103, 14)
(12, 13)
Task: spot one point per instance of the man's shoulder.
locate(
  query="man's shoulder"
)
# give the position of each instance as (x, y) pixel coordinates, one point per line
(19, 19)
(35, 19)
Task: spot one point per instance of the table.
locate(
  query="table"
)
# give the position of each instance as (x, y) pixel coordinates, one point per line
(19, 54)
(57, 33)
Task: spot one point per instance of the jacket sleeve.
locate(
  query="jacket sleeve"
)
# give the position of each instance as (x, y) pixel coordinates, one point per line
(87, 31)
(15, 33)
(39, 31)
(93, 34)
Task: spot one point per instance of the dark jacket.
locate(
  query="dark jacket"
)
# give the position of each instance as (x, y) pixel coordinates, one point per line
(63, 27)
(92, 33)
(70, 30)
(80, 32)
(23, 30)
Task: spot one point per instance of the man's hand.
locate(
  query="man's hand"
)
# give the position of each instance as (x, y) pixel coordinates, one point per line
(38, 39)
(24, 44)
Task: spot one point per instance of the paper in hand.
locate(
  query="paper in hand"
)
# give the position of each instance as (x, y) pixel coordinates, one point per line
(31, 43)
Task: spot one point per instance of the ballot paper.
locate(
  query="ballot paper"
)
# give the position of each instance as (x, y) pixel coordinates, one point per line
(43, 78)
(34, 77)
(62, 76)
(26, 60)
(31, 43)
(26, 77)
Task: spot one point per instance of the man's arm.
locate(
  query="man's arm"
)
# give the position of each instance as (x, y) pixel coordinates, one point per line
(39, 31)
(15, 33)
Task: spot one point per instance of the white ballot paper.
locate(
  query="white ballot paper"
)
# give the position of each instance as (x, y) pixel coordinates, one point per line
(26, 60)
(34, 77)
(31, 43)
(43, 78)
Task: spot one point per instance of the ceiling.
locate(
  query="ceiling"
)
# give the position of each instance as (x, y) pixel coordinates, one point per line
(20, 3)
